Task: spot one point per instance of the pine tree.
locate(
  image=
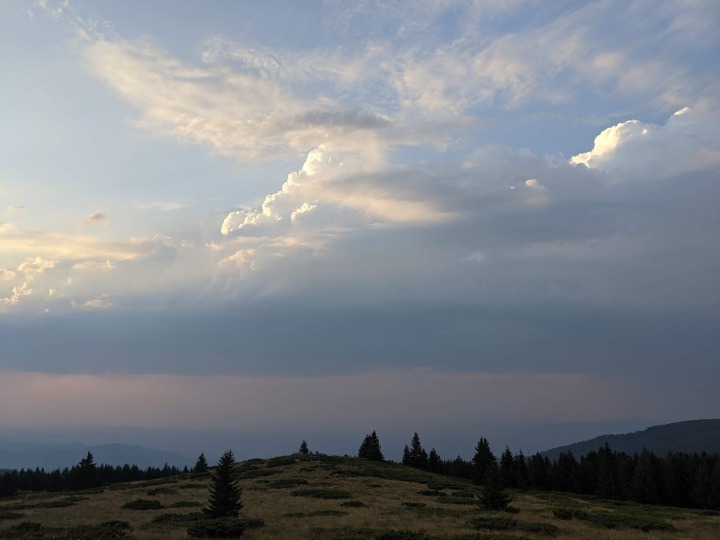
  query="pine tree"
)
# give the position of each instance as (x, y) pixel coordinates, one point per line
(417, 457)
(304, 448)
(87, 472)
(507, 469)
(406, 456)
(482, 460)
(225, 492)
(492, 494)
(201, 465)
(370, 448)
(434, 462)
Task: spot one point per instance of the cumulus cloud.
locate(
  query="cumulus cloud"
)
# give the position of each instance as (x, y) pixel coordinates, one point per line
(35, 266)
(633, 149)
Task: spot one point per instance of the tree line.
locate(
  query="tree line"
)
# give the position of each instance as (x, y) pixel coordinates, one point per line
(85, 475)
(677, 479)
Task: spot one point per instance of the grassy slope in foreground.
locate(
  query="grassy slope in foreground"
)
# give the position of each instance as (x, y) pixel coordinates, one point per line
(347, 499)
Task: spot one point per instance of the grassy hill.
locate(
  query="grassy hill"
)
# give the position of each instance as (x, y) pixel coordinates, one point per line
(331, 498)
(693, 436)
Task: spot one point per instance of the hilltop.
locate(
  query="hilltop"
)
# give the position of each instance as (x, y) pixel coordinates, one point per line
(693, 436)
(328, 498)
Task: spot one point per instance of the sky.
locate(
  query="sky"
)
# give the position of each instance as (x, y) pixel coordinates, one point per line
(326, 218)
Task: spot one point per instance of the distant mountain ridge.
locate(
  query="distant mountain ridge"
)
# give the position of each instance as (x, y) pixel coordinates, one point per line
(692, 436)
(18, 455)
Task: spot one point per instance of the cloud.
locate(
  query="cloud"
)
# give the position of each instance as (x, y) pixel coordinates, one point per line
(32, 267)
(14, 207)
(352, 187)
(97, 217)
(161, 206)
(6, 275)
(93, 304)
(633, 149)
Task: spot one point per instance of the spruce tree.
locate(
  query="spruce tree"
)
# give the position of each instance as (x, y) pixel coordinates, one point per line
(370, 448)
(201, 465)
(87, 475)
(225, 492)
(482, 460)
(417, 457)
(304, 450)
(434, 462)
(492, 494)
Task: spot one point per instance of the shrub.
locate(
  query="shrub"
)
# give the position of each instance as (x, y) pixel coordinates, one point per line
(414, 505)
(222, 527)
(401, 535)
(562, 513)
(322, 493)
(161, 491)
(545, 529)
(108, 529)
(494, 523)
(353, 504)
(7, 514)
(316, 513)
(143, 504)
(287, 483)
(280, 461)
(184, 504)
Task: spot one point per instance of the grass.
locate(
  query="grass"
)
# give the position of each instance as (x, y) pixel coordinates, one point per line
(346, 499)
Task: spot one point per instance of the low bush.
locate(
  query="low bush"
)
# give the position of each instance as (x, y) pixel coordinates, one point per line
(161, 491)
(143, 504)
(26, 529)
(222, 528)
(353, 504)
(287, 483)
(184, 504)
(322, 493)
(280, 461)
(494, 523)
(400, 535)
(317, 513)
(562, 513)
(544, 529)
(106, 530)
(8, 514)
(413, 505)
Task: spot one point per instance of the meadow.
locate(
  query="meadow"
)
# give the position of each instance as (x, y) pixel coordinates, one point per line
(334, 498)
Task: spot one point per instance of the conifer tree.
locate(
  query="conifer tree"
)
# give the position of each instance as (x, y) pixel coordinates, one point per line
(201, 465)
(417, 456)
(434, 462)
(370, 448)
(406, 456)
(87, 472)
(304, 450)
(225, 492)
(492, 494)
(482, 460)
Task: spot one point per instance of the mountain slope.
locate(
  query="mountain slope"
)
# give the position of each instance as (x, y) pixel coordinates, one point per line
(690, 436)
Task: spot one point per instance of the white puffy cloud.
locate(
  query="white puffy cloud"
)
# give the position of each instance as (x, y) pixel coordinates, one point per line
(633, 149)
(32, 267)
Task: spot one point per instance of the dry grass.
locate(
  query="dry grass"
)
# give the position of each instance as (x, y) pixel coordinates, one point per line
(392, 499)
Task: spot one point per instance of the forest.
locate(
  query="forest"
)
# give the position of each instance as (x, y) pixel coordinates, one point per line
(676, 479)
